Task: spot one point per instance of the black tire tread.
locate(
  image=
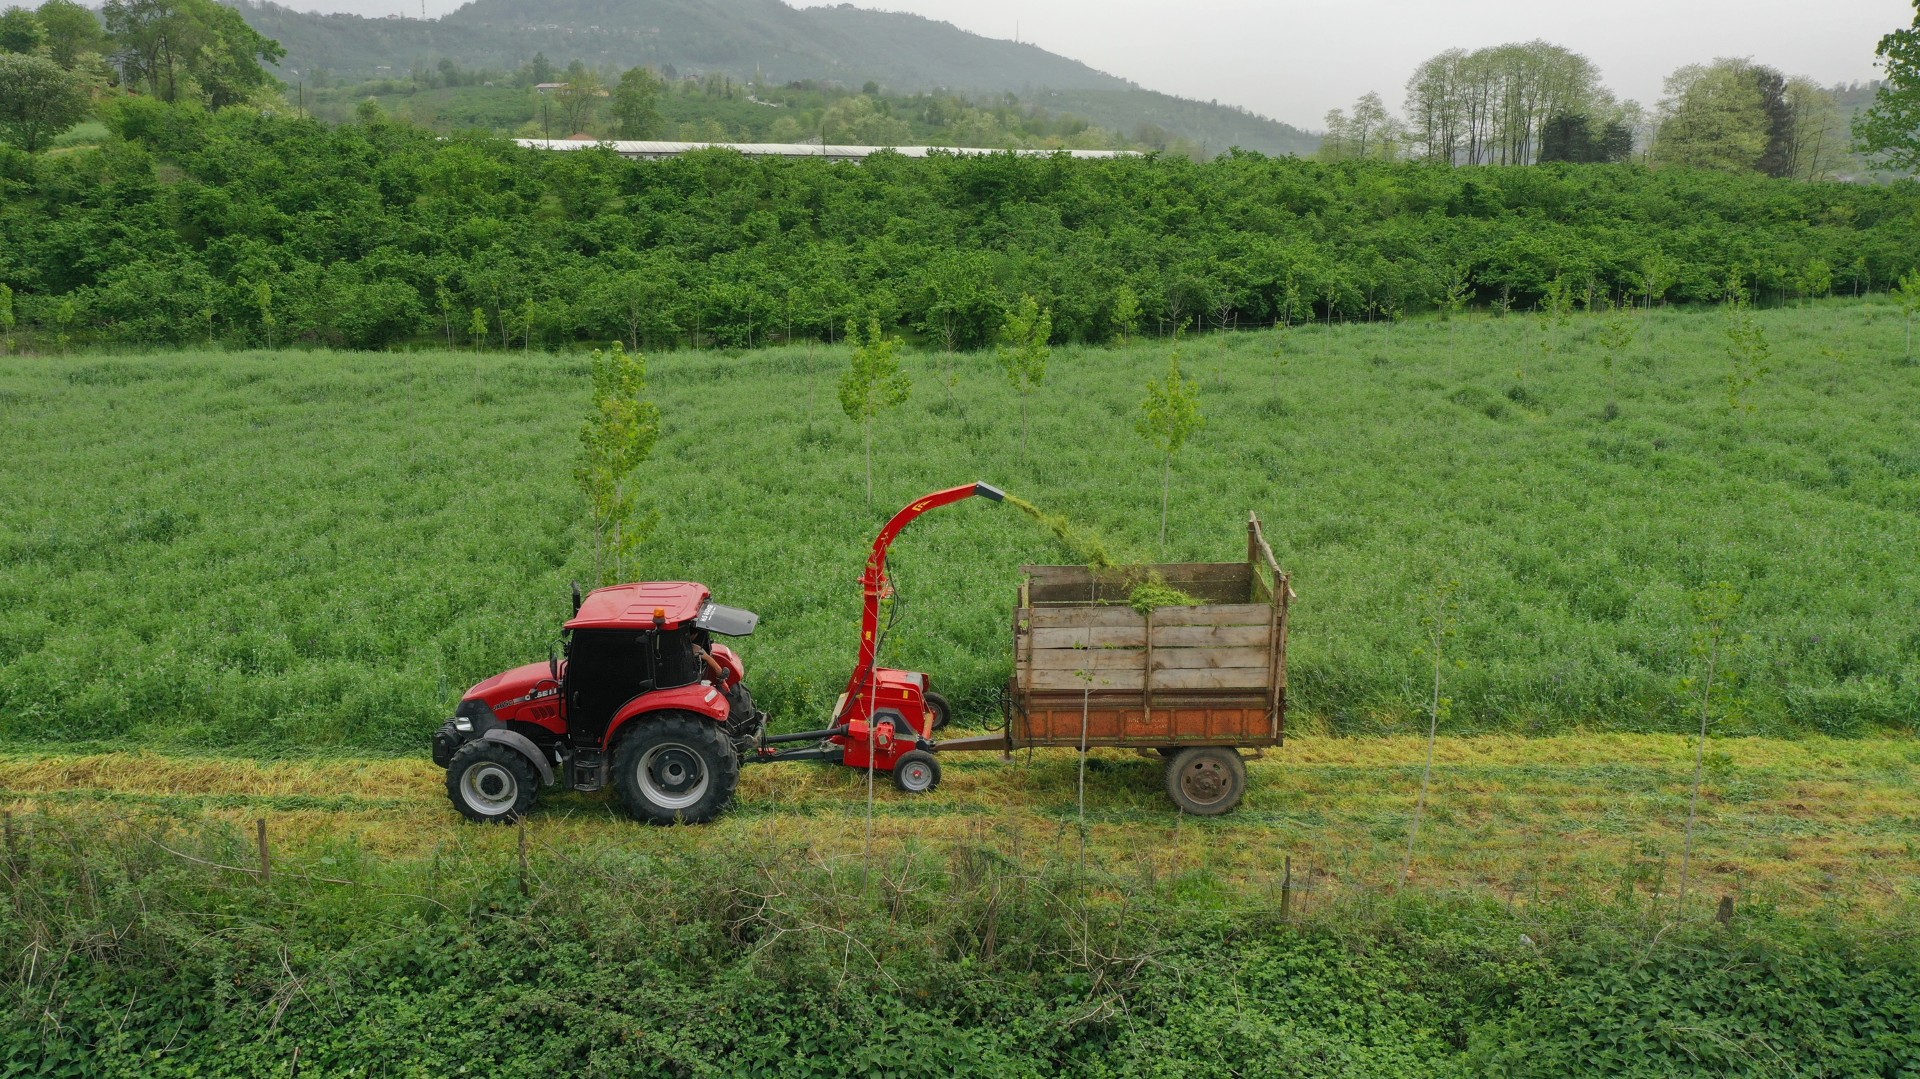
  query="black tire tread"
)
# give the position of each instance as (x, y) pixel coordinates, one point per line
(1236, 768)
(507, 757)
(933, 763)
(698, 731)
(942, 711)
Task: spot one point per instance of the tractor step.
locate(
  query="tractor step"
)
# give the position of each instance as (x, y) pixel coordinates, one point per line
(587, 769)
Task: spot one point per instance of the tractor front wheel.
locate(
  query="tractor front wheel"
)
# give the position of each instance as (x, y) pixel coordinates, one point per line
(491, 782)
(675, 768)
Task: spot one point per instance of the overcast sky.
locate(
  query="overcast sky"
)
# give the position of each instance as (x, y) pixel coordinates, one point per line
(1294, 61)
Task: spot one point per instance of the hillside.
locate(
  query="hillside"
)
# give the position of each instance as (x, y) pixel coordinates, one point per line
(752, 37)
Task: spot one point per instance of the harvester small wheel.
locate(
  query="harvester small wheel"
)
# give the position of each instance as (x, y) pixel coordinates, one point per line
(1206, 780)
(942, 711)
(491, 782)
(916, 772)
(675, 767)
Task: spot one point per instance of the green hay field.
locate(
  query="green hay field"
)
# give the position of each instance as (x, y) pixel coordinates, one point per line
(283, 551)
(242, 587)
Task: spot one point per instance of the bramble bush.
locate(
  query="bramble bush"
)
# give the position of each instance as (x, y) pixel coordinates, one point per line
(708, 960)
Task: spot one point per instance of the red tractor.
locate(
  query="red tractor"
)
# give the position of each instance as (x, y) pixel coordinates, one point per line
(643, 695)
(645, 698)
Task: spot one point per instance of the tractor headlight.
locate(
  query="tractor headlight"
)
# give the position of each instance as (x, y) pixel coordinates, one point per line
(463, 724)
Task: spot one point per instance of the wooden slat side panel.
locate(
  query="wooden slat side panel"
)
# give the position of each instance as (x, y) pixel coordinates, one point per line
(1206, 658)
(1040, 679)
(1091, 659)
(1093, 637)
(1163, 637)
(1077, 617)
(1097, 680)
(1212, 678)
(1221, 614)
(1251, 679)
(1184, 571)
(1216, 614)
(1209, 636)
(1122, 593)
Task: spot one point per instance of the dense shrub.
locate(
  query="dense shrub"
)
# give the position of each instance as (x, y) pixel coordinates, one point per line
(372, 235)
(131, 961)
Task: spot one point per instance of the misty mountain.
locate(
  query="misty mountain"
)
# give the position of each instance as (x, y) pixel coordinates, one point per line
(849, 45)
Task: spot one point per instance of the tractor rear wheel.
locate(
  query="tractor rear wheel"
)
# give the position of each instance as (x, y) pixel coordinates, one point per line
(1206, 780)
(941, 710)
(491, 782)
(675, 767)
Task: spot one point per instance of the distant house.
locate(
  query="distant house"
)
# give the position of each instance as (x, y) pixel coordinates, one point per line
(556, 87)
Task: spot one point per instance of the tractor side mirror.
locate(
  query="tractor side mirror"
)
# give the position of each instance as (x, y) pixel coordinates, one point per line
(576, 597)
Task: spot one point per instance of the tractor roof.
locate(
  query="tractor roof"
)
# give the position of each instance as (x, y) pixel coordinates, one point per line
(631, 606)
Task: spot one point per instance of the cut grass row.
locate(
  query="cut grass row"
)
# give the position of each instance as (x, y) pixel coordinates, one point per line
(1805, 824)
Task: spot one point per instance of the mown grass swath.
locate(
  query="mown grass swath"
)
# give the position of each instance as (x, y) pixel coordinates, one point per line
(281, 550)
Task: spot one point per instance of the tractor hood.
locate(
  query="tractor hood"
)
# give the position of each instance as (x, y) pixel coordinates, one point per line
(510, 685)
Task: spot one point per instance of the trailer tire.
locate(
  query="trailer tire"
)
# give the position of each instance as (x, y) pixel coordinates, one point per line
(491, 782)
(942, 711)
(675, 768)
(1206, 780)
(917, 772)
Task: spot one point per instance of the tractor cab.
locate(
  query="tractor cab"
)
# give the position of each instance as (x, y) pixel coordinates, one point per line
(639, 665)
(632, 639)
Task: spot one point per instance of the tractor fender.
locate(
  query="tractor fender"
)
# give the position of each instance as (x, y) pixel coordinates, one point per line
(700, 699)
(526, 748)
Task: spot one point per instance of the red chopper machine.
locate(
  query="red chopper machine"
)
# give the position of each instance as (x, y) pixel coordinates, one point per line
(886, 717)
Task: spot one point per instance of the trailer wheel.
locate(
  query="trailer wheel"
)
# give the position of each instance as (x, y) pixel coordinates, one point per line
(1206, 780)
(675, 768)
(916, 772)
(491, 782)
(942, 711)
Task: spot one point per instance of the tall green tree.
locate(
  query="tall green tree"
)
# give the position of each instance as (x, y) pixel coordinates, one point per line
(1713, 117)
(578, 96)
(620, 432)
(1890, 128)
(190, 49)
(636, 112)
(1907, 294)
(1023, 352)
(1124, 319)
(38, 100)
(873, 383)
(20, 30)
(1169, 415)
(73, 31)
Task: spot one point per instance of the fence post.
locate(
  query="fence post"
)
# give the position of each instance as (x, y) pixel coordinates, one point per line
(1725, 914)
(1286, 890)
(266, 863)
(13, 843)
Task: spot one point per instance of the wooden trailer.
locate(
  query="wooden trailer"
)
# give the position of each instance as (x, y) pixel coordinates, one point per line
(1194, 683)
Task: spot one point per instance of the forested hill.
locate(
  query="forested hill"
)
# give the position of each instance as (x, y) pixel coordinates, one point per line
(745, 38)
